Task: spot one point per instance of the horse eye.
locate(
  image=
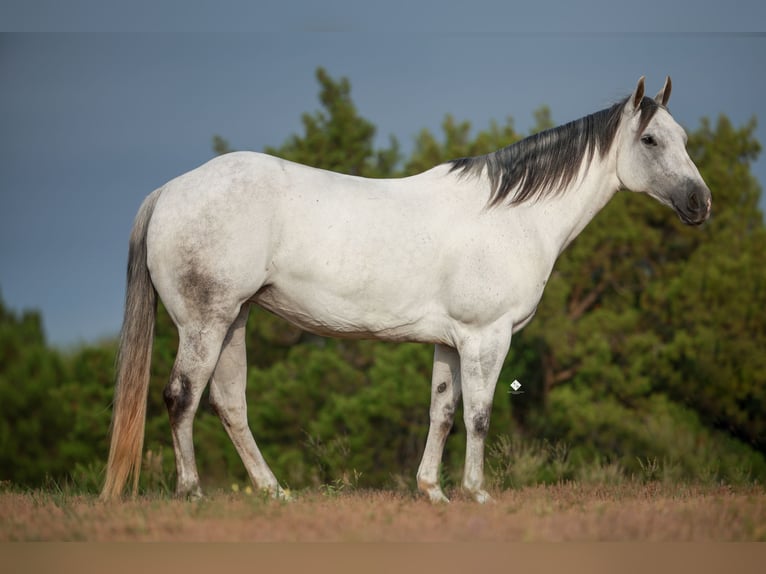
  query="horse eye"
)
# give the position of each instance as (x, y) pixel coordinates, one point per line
(648, 140)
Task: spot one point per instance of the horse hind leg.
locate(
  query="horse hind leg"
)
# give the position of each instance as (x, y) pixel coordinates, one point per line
(227, 397)
(198, 350)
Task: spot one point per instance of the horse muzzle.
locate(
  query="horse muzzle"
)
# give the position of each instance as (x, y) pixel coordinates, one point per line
(693, 203)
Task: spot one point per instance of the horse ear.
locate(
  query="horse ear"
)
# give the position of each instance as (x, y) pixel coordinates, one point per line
(635, 99)
(663, 95)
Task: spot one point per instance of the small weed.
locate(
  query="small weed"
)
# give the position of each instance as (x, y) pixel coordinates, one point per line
(516, 463)
(330, 457)
(246, 490)
(672, 472)
(446, 481)
(607, 473)
(333, 489)
(87, 478)
(559, 461)
(650, 469)
(740, 475)
(154, 475)
(403, 483)
(709, 474)
(348, 482)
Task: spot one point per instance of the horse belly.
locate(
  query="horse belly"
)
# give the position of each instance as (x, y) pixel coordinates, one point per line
(323, 312)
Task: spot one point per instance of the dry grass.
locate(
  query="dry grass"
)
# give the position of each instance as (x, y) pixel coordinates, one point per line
(566, 512)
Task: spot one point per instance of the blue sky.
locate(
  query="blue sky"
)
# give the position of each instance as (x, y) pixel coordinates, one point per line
(104, 103)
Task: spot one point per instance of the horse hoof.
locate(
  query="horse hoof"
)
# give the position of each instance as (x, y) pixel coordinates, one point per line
(481, 496)
(436, 496)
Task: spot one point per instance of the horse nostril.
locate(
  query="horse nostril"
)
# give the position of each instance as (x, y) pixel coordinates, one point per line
(694, 203)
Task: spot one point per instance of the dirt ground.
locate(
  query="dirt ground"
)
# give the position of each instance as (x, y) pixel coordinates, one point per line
(568, 512)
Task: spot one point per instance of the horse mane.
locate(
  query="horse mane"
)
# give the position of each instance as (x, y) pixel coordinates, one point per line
(543, 165)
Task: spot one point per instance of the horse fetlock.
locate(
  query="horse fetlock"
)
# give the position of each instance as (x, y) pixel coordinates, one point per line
(473, 486)
(189, 490)
(433, 491)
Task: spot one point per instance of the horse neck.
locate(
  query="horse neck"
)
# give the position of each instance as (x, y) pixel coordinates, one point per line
(561, 218)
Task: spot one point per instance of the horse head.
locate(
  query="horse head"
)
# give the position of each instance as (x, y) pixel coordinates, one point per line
(652, 156)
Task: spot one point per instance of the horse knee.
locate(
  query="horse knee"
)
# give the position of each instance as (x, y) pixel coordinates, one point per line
(443, 416)
(480, 422)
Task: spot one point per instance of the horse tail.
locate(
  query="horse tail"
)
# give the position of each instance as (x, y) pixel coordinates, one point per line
(133, 362)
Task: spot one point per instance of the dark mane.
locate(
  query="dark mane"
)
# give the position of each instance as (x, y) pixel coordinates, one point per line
(543, 165)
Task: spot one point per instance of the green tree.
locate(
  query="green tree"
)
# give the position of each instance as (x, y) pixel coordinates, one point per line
(32, 418)
(220, 145)
(337, 137)
(456, 142)
(54, 411)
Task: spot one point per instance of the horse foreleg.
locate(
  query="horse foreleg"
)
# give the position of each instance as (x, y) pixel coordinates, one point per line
(228, 399)
(481, 359)
(445, 393)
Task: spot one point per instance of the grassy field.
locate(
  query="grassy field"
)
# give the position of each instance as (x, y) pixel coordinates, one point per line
(565, 512)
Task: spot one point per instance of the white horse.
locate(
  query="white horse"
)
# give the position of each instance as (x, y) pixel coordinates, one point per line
(457, 256)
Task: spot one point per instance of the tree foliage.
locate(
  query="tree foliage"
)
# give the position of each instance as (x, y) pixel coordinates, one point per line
(337, 138)
(647, 346)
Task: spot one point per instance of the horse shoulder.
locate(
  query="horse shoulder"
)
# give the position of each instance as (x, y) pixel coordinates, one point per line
(499, 271)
